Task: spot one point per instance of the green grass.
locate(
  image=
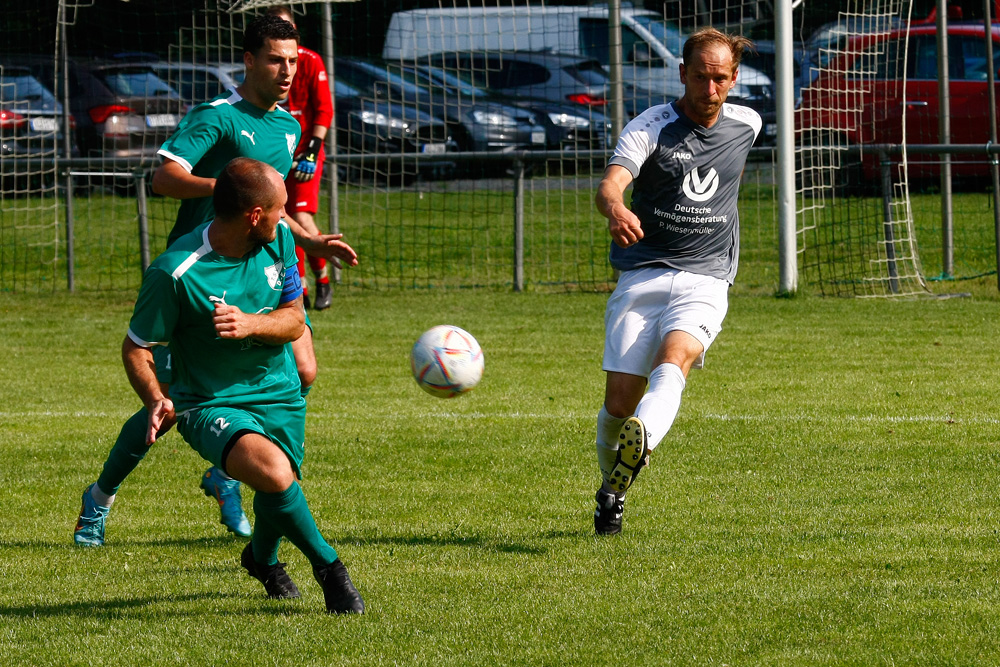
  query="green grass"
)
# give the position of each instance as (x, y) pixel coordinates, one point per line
(827, 496)
(452, 237)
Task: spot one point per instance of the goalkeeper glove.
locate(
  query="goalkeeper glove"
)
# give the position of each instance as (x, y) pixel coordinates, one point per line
(305, 162)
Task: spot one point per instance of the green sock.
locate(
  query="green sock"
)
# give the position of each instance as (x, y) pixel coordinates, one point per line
(129, 449)
(287, 514)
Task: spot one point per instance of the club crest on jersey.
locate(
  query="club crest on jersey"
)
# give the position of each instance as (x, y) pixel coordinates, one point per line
(697, 188)
(290, 140)
(275, 275)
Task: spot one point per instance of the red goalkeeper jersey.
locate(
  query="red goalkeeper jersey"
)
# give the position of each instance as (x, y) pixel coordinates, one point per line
(309, 100)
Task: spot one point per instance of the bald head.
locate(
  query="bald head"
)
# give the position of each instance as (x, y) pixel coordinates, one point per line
(245, 184)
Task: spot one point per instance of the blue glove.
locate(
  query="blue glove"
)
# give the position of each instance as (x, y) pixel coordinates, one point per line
(305, 162)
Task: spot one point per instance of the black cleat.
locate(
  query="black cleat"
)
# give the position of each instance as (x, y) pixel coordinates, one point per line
(633, 454)
(608, 515)
(306, 302)
(340, 594)
(277, 583)
(324, 296)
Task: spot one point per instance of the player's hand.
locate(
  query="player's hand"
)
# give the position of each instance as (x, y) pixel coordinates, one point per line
(331, 248)
(624, 226)
(305, 162)
(161, 418)
(230, 322)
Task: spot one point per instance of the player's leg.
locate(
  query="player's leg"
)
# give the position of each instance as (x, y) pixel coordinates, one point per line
(621, 394)
(129, 449)
(270, 465)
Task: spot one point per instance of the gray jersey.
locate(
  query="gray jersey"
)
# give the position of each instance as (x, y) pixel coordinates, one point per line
(686, 181)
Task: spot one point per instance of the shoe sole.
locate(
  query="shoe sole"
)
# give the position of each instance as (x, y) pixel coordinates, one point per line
(631, 456)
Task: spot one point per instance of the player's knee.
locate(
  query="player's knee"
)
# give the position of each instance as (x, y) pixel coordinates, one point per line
(620, 407)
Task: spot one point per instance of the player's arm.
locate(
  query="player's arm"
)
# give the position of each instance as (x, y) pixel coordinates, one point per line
(141, 371)
(282, 325)
(172, 180)
(623, 225)
(327, 246)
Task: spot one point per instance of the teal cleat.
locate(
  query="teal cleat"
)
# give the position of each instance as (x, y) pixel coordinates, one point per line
(89, 531)
(227, 493)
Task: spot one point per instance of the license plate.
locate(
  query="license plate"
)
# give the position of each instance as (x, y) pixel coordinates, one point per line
(434, 149)
(161, 120)
(44, 125)
(538, 137)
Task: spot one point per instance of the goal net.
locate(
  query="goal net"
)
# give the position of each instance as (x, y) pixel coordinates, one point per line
(855, 225)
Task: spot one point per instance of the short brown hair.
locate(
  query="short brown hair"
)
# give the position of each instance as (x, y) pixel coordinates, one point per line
(243, 185)
(706, 37)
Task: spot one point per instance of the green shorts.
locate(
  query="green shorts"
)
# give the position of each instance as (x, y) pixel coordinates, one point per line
(212, 431)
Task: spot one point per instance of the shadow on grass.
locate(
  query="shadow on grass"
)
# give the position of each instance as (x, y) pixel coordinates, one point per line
(456, 539)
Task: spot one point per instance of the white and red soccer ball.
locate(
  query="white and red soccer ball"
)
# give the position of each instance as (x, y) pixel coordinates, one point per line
(446, 361)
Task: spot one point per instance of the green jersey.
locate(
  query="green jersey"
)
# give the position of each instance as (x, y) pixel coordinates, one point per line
(175, 306)
(215, 132)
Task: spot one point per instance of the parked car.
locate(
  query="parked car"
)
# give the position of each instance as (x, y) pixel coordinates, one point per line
(198, 82)
(567, 126)
(121, 109)
(365, 125)
(475, 124)
(31, 119)
(862, 99)
(651, 45)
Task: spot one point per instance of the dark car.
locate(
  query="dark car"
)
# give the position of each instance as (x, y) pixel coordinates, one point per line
(475, 124)
(121, 109)
(529, 74)
(568, 126)
(863, 96)
(365, 125)
(31, 119)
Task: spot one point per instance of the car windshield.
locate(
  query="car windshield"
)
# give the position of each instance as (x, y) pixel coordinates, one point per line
(19, 88)
(666, 33)
(135, 83)
(341, 89)
(432, 76)
(589, 72)
(371, 74)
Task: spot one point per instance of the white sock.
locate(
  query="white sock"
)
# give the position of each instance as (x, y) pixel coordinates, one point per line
(661, 401)
(607, 441)
(101, 498)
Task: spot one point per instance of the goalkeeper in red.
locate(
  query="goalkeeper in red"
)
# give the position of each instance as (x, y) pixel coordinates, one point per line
(677, 248)
(220, 297)
(309, 102)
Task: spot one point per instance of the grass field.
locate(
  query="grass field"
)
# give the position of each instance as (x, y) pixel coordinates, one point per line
(827, 496)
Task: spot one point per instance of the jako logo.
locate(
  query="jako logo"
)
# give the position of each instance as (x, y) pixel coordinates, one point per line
(697, 189)
(705, 329)
(682, 156)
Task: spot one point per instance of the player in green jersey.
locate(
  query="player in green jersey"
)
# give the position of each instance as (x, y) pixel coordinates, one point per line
(220, 298)
(247, 122)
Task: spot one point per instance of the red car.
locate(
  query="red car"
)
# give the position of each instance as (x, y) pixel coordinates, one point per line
(861, 98)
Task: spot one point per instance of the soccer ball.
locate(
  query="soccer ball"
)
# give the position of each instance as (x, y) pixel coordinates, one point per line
(446, 361)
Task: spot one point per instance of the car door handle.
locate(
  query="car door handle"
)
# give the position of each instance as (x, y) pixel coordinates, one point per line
(915, 103)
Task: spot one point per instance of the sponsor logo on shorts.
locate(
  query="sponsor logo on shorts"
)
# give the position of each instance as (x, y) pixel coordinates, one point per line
(705, 329)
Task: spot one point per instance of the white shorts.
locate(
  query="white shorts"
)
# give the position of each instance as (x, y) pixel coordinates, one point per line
(651, 302)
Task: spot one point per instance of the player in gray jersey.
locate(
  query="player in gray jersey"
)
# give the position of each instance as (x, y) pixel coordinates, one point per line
(677, 250)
